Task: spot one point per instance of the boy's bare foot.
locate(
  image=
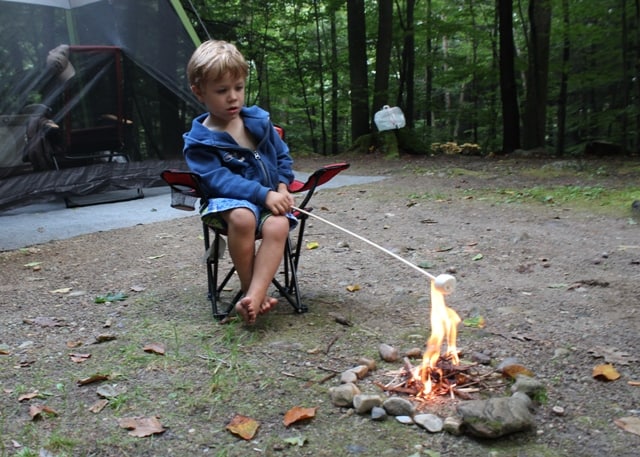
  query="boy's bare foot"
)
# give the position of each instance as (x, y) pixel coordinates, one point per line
(245, 309)
(267, 305)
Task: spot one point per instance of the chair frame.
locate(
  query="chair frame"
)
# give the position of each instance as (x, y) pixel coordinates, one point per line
(186, 190)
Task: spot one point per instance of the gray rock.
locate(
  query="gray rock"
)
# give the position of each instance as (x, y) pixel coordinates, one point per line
(396, 406)
(405, 420)
(481, 358)
(388, 353)
(348, 376)
(430, 422)
(453, 425)
(378, 413)
(343, 394)
(497, 416)
(530, 386)
(364, 403)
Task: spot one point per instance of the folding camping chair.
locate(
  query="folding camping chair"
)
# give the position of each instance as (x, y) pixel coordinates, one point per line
(186, 191)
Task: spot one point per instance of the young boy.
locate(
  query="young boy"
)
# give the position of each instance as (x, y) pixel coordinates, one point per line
(245, 168)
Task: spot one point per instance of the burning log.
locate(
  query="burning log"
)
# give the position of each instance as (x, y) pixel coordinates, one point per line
(446, 379)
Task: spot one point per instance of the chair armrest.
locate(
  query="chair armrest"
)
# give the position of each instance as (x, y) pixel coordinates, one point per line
(319, 177)
(185, 188)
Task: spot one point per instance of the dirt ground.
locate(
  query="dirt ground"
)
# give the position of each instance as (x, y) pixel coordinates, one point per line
(556, 283)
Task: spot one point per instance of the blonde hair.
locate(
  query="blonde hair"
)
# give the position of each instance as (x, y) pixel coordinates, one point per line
(214, 59)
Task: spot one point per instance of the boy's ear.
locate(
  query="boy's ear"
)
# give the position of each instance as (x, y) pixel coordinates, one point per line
(196, 91)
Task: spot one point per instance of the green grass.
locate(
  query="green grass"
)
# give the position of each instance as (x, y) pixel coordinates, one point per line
(578, 197)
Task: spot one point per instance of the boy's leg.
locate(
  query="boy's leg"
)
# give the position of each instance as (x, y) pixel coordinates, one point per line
(275, 230)
(241, 239)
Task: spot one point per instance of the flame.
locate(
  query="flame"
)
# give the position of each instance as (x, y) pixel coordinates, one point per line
(444, 323)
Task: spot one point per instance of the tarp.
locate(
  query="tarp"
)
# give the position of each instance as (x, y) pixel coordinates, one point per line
(124, 103)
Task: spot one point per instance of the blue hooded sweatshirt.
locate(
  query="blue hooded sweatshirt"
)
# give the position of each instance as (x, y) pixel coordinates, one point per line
(229, 170)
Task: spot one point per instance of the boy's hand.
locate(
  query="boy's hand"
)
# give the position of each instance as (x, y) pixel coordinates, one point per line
(280, 202)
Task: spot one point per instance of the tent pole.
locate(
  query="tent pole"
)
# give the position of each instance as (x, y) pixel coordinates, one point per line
(71, 28)
(182, 14)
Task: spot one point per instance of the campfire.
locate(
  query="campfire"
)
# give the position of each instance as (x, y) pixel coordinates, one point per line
(440, 372)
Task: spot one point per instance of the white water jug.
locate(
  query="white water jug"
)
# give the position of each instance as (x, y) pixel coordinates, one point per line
(389, 118)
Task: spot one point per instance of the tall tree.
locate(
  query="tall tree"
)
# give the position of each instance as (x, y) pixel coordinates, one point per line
(535, 113)
(564, 80)
(508, 91)
(319, 39)
(383, 54)
(407, 76)
(358, 82)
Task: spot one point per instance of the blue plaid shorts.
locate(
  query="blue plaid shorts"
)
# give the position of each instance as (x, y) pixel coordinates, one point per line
(210, 213)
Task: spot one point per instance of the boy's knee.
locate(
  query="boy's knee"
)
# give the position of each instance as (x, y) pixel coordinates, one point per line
(241, 219)
(276, 226)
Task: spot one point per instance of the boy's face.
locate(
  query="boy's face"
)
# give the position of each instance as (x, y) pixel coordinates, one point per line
(223, 98)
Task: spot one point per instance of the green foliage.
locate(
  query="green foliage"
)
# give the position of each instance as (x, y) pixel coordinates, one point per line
(296, 75)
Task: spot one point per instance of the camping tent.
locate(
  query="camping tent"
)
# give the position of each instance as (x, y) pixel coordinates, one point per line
(110, 77)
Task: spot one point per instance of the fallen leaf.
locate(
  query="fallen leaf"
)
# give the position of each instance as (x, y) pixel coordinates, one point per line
(155, 348)
(243, 426)
(31, 264)
(74, 344)
(141, 426)
(91, 379)
(313, 245)
(154, 257)
(477, 257)
(629, 424)
(64, 290)
(634, 383)
(137, 288)
(605, 372)
(474, 322)
(444, 248)
(353, 288)
(295, 441)
(109, 391)
(111, 297)
(45, 322)
(29, 396)
(98, 406)
(612, 355)
(79, 358)
(37, 411)
(511, 371)
(426, 265)
(298, 413)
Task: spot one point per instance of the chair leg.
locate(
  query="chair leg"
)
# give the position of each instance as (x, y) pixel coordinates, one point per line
(288, 288)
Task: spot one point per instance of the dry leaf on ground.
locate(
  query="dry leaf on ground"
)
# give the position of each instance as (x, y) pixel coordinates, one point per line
(155, 348)
(511, 371)
(613, 355)
(37, 411)
(243, 426)
(298, 413)
(605, 372)
(141, 426)
(629, 424)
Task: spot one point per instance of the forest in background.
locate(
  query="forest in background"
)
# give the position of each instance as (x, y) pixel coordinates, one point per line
(553, 75)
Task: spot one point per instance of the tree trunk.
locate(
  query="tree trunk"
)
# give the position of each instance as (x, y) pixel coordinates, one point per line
(537, 74)
(429, 72)
(323, 129)
(335, 83)
(383, 54)
(358, 69)
(508, 92)
(410, 63)
(564, 81)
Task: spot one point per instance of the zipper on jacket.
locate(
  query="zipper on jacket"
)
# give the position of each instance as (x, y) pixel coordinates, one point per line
(265, 173)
